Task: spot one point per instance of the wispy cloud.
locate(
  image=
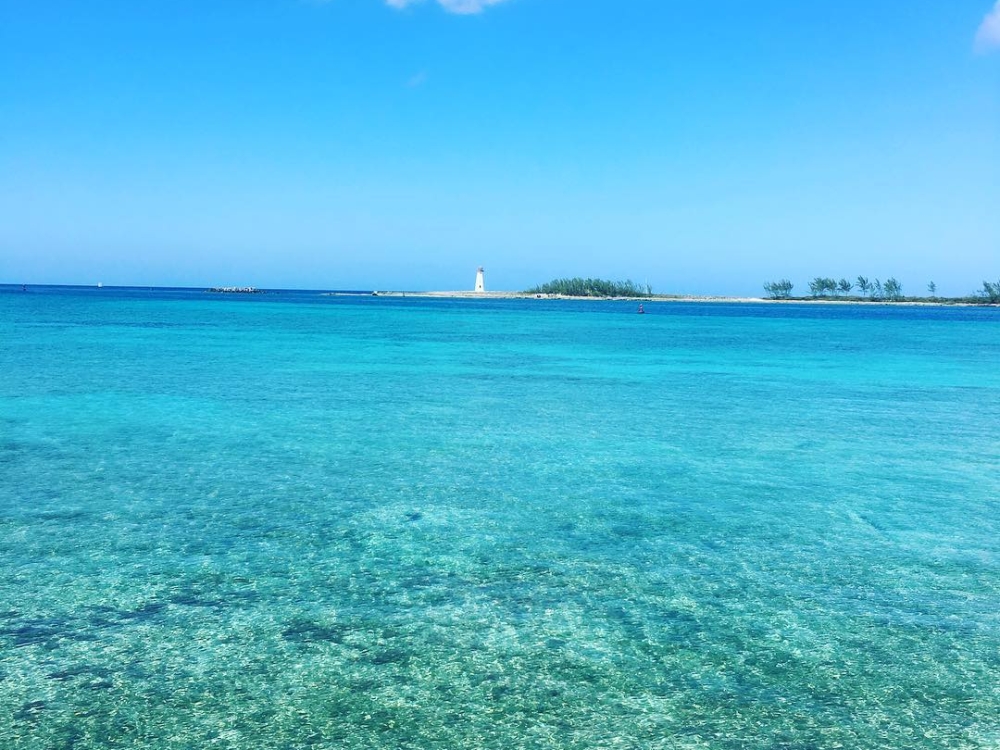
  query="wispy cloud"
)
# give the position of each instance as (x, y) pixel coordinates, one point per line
(417, 79)
(988, 35)
(462, 7)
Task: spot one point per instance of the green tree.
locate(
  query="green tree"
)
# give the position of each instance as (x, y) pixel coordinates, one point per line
(822, 285)
(845, 286)
(990, 292)
(779, 289)
(892, 289)
(864, 286)
(932, 289)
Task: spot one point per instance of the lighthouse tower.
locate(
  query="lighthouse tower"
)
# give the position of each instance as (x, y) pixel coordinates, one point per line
(480, 284)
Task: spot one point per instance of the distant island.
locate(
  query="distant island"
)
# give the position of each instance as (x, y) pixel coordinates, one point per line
(235, 290)
(822, 290)
(862, 289)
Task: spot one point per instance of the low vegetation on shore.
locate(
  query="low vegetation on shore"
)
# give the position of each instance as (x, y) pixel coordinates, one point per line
(863, 289)
(578, 287)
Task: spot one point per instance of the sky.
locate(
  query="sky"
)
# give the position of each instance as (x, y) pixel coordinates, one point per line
(701, 147)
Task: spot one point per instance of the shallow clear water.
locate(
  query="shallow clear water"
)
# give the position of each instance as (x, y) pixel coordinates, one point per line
(293, 521)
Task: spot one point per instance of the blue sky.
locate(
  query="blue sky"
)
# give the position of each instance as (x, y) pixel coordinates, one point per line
(703, 146)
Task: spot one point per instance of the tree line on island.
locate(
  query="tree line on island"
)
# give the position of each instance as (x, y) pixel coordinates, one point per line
(861, 289)
(823, 286)
(578, 287)
(875, 290)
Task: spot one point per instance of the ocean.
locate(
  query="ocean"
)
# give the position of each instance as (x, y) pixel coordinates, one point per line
(301, 521)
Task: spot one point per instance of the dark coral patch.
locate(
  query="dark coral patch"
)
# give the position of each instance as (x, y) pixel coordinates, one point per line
(307, 631)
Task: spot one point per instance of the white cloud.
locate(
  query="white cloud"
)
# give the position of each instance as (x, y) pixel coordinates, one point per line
(466, 6)
(463, 7)
(988, 35)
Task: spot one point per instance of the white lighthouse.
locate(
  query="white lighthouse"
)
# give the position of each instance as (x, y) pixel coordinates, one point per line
(480, 284)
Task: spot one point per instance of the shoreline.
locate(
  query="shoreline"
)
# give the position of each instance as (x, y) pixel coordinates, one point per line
(677, 298)
(509, 295)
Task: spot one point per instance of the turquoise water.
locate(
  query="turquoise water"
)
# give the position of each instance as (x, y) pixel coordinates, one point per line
(294, 521)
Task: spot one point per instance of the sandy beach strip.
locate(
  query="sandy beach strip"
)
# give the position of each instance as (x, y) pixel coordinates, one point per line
(671, 298)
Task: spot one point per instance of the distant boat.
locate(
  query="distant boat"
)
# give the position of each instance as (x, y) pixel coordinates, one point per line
(100, 284)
